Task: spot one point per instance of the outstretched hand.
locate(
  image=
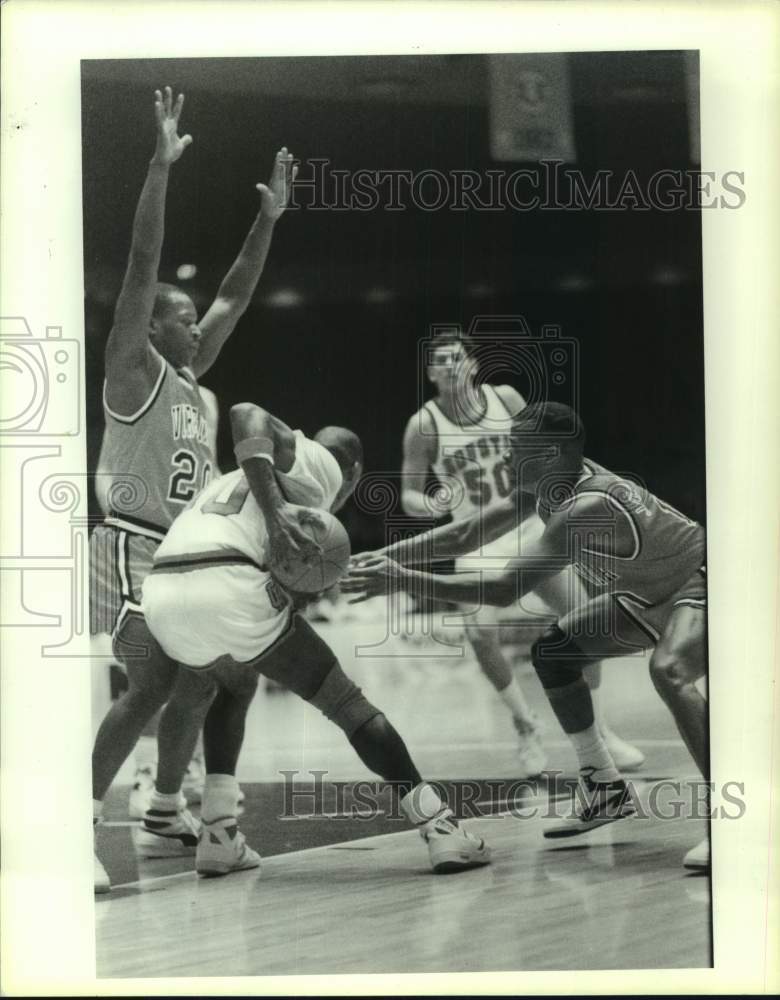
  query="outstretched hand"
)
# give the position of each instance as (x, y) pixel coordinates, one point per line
(369, 575)
(287, 538)
(276, 194)
(170, 145)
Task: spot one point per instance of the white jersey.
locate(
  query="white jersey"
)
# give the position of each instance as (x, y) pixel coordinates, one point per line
(225, 518)
(469, 460)
(209, 594)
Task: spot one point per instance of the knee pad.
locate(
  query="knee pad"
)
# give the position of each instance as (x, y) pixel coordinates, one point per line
(341, 700)
(557, 659)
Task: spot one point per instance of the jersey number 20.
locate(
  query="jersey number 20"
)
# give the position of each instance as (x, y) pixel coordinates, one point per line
(182, 483)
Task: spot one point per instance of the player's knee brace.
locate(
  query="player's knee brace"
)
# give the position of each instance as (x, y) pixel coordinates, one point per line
(341, 700)
(557, 659)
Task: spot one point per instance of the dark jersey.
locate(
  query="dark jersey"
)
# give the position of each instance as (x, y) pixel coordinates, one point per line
(622, 538)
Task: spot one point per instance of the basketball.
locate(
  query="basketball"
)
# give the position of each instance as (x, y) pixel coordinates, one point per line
(323, 571)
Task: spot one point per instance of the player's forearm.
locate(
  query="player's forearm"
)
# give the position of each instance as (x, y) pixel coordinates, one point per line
(254, 440)
(149, 221)
(443, 542)
(494, 588)
(240, 282)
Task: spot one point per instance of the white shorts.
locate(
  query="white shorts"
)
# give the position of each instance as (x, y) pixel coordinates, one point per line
(560, 594)
(201, 614)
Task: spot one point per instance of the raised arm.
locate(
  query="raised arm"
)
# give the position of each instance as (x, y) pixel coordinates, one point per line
(132, 364)
(262, 444)
(236, 291)
(541, 560)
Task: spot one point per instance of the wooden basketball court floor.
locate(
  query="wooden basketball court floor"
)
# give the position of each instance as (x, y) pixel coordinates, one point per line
(345, 895)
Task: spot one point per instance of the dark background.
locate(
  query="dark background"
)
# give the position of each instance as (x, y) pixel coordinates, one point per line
(626, 284)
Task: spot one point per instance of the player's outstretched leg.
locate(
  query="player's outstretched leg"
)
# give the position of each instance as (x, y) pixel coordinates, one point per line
(564, 593)
(602, 795)
(307, 666)
(484, 640)
(678, 669)
(168, 828)
(380, 747)
(222, 847)
(150, 675)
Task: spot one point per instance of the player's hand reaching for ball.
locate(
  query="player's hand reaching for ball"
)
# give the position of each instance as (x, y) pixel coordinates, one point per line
(276, 194)
(288, 538)
(360, 558)
(170, 145)
(369, 575)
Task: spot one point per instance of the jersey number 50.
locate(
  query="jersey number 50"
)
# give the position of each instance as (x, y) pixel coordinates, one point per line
(480, 492)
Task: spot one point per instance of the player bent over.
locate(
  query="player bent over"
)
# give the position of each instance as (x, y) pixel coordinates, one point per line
(642, 565)
(213, 606)
(155, 457)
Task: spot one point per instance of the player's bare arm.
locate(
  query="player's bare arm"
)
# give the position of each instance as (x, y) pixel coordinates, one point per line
(419, 453)
(542, 560)
(458, 537)
(262, 444)
(236, 291)
(132, 364)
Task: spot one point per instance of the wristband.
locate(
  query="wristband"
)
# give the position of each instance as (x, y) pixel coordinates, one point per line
(254, 447)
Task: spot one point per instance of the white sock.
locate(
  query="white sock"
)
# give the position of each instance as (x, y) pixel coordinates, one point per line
(512, 696)
(97, 811)
(592, 753)
(421, 804)
(167, 802)
(145, 755)
(220, 797)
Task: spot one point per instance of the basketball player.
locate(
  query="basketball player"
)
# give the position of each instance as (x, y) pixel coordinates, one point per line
(462, 436)
(145, 755)
(157, 453)
(641, 562)
(213, 606)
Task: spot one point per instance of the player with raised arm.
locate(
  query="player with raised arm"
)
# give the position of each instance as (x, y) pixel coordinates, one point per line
(642, 565)
(213, 606)
(156, 456)
(461, 435)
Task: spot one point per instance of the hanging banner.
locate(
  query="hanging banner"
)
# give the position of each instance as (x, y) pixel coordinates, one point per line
(531, 114)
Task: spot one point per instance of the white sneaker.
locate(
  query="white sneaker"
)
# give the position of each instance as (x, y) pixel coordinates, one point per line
(626, 756)
(530, 752)
(222, 848)
(102, 881)
(166, 834)
(596, 804)
(141, 792)
(451, 848)
(698, 858)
